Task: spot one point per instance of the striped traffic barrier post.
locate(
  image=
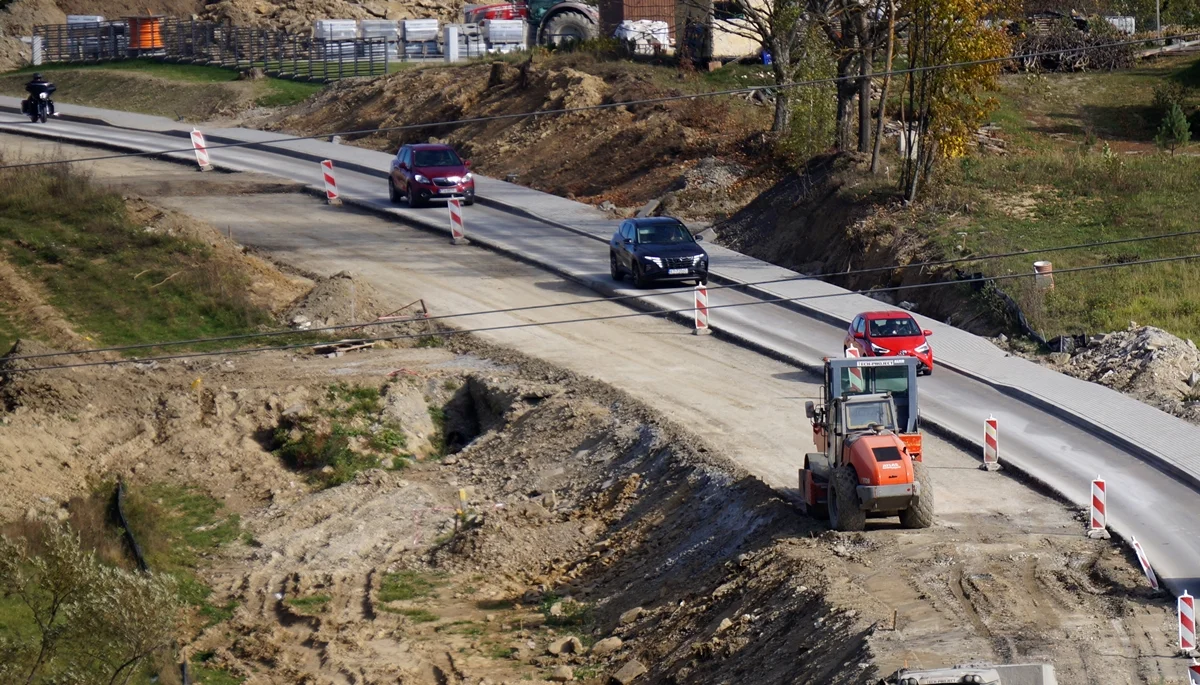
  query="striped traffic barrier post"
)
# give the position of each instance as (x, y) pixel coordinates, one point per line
(1194, 673)
(1187, 623)
(1098, 511)
(701, 311)
(856, 377)
(201, 150)
(1146, 568)
(458, 231)
(331, 191)
(991, 444)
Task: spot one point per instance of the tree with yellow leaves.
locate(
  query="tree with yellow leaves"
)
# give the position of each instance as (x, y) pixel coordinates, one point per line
(944, 107)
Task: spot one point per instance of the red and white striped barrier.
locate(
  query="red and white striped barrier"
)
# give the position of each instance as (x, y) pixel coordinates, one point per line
(1194, 673)
(1098, 510)
(991, 444)
(856, 377)
(1187, 623)
(1137, 548)
(701, 311)
(331, 191)
(201, 150)
(458, 232)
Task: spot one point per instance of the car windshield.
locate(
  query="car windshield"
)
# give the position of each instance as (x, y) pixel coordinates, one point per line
(894, 328)
(663, 234)
(436, 158)
(860, 416)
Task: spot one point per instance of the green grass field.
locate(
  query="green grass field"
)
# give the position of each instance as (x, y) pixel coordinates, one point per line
(201, 91)
(112, 279)
(1059, 186)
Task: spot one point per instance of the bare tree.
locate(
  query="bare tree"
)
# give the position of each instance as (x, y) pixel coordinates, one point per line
(776, 25)
(853, 28)
(887, 82)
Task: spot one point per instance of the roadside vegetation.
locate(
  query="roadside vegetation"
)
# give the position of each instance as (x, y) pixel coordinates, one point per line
(190, 92)
(75, 608)
(346, 434)
(1083, 166)
(117, 282)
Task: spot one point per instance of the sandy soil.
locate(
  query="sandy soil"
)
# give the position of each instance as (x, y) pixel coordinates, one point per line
(651, 480)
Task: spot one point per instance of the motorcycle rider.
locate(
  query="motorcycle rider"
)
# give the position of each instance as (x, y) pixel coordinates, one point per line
(39, 85)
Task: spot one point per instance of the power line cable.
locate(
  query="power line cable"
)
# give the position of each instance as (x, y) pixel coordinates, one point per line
(609, 105)
(611, 317)
(598, 300)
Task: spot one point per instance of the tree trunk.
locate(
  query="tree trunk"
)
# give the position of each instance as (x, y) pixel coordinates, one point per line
(847, 89)
(887, 81)
(864, 82)
(780, 60)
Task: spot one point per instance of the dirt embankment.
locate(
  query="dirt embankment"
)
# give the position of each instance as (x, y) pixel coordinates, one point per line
(703, 155)
(832, 219)
(1148, 363)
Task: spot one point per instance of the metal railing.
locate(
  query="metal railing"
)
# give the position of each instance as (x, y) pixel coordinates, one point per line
(277, 53)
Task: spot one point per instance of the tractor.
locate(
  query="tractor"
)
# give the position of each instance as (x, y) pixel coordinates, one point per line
(869, 458)
(554, 21)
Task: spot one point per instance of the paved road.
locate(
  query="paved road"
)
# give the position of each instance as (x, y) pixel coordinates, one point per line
(1101, 432)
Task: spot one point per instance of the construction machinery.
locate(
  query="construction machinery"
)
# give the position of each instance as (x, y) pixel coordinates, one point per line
(867, 434)
(553, 21)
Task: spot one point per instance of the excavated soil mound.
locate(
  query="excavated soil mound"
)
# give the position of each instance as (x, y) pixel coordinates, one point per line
(339, 299)
(1145, 362)
(626, 155)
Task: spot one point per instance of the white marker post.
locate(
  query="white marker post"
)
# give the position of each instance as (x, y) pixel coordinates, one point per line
(1187, 623)
(1098, 519)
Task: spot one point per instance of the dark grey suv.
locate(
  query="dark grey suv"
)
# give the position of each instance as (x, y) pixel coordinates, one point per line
(656, 249)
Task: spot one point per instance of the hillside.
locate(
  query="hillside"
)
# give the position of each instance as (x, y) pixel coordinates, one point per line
(1078, 165)
(709, 153)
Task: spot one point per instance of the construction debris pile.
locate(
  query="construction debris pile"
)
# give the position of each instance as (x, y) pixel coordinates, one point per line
(1145, 362)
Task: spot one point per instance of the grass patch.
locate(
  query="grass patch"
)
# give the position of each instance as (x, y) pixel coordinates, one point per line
(499, 651)
(9, 333)
(177, 526)
(406, 585)
(1069, 178)
(204, 672)
(347, 434)
(309, 606)
(574, 614)
(268, 92)
(414, 615)
(109, 276)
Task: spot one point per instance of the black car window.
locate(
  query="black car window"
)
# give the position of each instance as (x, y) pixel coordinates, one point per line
(663, 234)
(437, 158)
(894, 328)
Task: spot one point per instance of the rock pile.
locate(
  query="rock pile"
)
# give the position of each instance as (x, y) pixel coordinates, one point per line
(1145, 362)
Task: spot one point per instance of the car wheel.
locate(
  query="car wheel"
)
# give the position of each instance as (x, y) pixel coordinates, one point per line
(468, 202)
(702, 280)
(639, 276)
(614, 269)
(393, 194)
(413, 200)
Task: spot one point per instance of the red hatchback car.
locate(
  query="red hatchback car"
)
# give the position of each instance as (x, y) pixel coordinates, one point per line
(421, 173)
(890, 334)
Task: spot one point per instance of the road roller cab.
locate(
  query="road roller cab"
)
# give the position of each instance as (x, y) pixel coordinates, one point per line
(867, 432)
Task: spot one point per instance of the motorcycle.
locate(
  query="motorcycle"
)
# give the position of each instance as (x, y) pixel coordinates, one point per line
(37, 109)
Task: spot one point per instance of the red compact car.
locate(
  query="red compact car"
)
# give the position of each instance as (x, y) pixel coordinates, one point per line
(890, 334)
(421, 173)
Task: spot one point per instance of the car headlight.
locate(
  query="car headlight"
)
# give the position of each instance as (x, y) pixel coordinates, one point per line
(653, 260)
(878, 350)
(419, 178)
(972, 678)
(697, 259)
(466, 178)
(922, 349)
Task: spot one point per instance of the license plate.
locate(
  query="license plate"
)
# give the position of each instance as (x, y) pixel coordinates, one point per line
(447, 191)
(676, 272)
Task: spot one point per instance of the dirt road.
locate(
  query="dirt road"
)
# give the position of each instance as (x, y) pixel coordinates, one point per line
(1004, 575)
